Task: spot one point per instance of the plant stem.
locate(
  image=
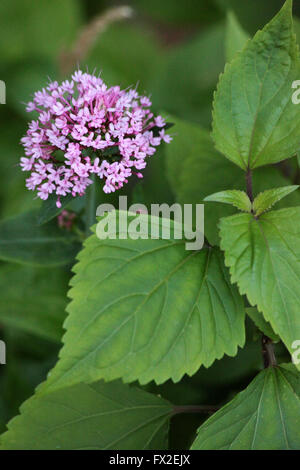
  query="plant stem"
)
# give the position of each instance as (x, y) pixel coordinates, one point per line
(249, 184)
(194, 409)
(90, 206)
(80, 233)
(268, 352)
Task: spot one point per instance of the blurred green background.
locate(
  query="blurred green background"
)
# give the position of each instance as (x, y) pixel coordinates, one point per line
(174, 50)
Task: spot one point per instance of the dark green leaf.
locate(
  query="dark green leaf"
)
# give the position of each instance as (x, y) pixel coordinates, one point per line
(33, 300)
(49, 209)
(265, 416)
(22, 241)
(97, 416)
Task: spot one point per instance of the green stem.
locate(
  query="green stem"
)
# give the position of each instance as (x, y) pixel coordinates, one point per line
(249, 184)
(90, 207)
(268, 354)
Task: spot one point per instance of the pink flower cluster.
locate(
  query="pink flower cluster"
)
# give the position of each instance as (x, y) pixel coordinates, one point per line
(85, 128)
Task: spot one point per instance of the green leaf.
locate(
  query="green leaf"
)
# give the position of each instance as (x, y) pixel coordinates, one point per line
(203, 170)
(236, 198)
(33, 300)
(23, 32)
(97, 416)
(268, 198)
(265, 416)
(235, 38)
(262, 324)
(49, 209)
(190, 94)
(147, 310)
(263, 256)
(254, 119)
(22, 241)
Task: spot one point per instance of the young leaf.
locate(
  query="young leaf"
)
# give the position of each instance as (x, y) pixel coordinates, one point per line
(33, 299)
(147, 310)
(263, 256)
(22, 241)
(254, 119)
(235, 38)
(268, 198)
(262, 324)
(236, 198)
(97, 416)
(265, 416)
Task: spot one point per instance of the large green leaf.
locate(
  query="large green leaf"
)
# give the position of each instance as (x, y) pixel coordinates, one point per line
(33, 299)
(22, 241)
(98, 416)
(147, 310)
(254, 120)
(265, 416)
(195, 170)
(263, 256)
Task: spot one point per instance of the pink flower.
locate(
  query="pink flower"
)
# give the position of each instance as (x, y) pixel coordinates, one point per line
(26, 163)
(83, 119)
(165, 137)
(159, 121)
